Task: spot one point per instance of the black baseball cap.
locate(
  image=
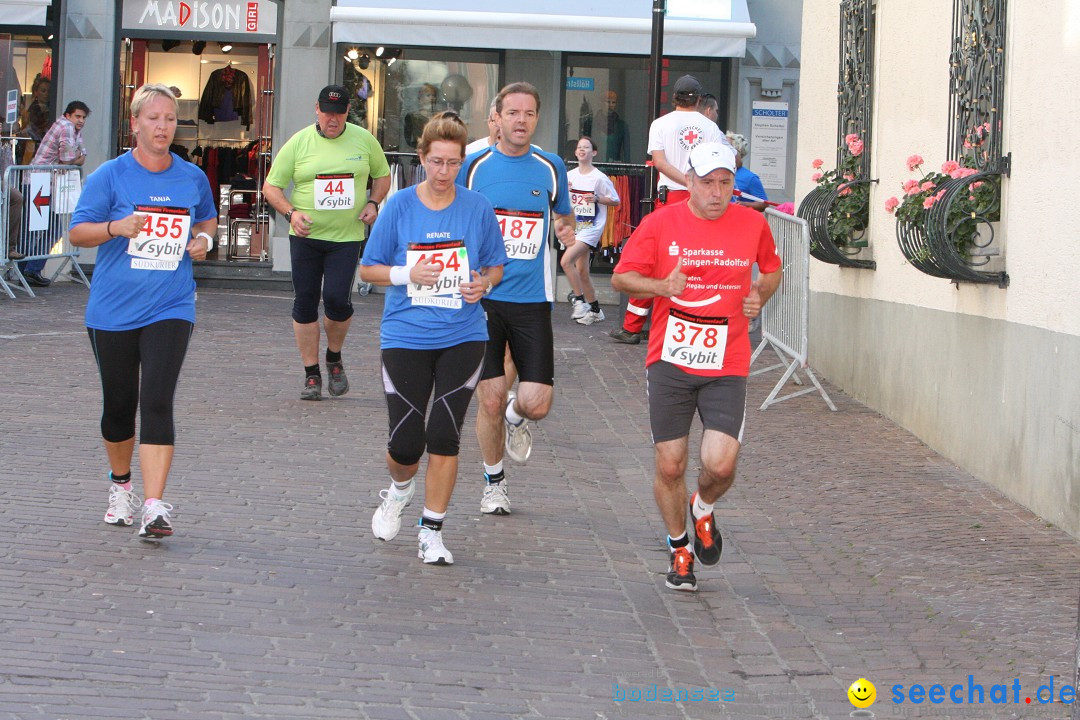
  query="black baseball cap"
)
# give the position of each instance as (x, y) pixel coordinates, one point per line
(334, 99)
(687, 85)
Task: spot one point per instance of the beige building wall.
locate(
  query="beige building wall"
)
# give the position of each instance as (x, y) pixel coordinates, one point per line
(990, 377)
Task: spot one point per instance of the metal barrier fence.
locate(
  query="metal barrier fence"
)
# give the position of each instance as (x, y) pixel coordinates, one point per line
(36, 202)
(785, 319)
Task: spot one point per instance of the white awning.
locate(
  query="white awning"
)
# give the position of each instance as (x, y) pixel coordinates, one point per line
(23, 12)
(541, 29)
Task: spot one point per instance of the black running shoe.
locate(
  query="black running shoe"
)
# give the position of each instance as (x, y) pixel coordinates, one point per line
(681, 574)
(338, 383)
(707, 541)
(312, 388)
(625, 336)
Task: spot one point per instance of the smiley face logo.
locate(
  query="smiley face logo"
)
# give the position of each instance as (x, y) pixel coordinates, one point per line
(862, 693)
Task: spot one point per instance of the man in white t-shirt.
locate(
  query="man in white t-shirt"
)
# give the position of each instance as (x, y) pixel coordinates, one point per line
(671, 138)
(492, 136)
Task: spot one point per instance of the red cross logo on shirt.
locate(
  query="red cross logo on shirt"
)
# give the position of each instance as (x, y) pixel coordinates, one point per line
(691, 137)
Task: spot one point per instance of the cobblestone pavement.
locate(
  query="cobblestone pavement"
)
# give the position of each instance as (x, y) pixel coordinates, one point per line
(852, 550)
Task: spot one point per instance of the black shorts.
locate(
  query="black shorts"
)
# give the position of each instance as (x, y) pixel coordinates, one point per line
(409, 378)
(526, 328)
(674, 395)
(322, 266)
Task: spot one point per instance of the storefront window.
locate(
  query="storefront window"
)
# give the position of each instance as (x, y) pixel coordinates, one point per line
(26, 68)
(607, 98)
(395, 90)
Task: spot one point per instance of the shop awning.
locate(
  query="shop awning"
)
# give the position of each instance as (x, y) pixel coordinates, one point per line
(621, 27)
(23, 12)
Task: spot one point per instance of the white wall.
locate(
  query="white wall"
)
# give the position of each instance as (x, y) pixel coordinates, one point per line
(989, 377)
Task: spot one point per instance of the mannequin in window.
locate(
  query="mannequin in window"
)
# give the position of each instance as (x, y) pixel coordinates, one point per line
(359, 87)
(35, 120)
(427, 96)
(227, 96)
(614, 131)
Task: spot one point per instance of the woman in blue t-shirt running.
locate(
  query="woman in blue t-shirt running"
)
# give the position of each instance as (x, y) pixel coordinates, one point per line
(438, 248)
(150, 214)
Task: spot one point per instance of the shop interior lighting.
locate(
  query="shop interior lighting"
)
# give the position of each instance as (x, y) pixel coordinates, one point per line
(168, 45)
(226, 48)
(353, 54)
(379, 51)
(198, 46)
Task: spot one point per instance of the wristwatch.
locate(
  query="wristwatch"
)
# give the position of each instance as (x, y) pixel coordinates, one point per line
(288, 215)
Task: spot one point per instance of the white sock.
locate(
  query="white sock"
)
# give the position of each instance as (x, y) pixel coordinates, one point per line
(493, 469)
(701, 509)
(401, 489)
(432, 515)
(511, 414)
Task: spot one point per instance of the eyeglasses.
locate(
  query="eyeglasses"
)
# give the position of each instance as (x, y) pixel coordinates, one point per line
(439, 163)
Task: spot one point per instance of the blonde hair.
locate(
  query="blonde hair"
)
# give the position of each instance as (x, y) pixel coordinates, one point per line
(148, 92)
(447, 126)
(739, 143)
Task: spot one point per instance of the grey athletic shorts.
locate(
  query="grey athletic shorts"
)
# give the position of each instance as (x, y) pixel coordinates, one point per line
(674, 396)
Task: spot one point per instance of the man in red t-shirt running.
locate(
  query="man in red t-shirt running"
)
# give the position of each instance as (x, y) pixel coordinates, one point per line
(695, 259)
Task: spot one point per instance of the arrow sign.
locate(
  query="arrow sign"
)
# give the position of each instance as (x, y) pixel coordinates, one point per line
(41, 200)
(41, 192)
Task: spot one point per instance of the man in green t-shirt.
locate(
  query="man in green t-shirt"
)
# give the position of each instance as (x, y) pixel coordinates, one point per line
(328, 165)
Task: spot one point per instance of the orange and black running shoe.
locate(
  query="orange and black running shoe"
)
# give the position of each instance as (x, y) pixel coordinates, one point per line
(681, 574)
(707, 541)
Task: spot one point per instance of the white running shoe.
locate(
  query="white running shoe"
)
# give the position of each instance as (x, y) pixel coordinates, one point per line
(386, 522)
(155, 520)
(580, 309)
(122, 506)
(432, 550)
(518, 437)
(590, 317)
(495, 500)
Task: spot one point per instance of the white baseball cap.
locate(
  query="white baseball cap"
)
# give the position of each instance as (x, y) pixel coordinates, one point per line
(708, 157)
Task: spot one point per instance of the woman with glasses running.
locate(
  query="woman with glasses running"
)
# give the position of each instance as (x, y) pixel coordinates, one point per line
(438, 248)
(150, 214)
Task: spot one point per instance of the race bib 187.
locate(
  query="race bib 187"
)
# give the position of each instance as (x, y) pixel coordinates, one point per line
(452, 260)
(695, 342)
(162, 240)
(335, 192)
(522, 231)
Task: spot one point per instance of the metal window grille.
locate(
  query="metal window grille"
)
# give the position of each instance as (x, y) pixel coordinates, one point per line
(977, 82)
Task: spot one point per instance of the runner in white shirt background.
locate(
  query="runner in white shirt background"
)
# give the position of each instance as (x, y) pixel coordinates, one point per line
(591, 192)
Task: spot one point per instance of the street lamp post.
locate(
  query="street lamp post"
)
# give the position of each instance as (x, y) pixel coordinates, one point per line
(656, 67)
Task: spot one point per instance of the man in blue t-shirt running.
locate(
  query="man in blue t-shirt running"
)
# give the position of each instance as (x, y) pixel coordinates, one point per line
(528, 190)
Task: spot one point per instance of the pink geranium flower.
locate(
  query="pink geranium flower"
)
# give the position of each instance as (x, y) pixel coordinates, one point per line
(850, 138)
(913, 162)
(817, 163)
(891, 204)
(855, 147)
(962, 172)
(911, 187)
(949, 167)
(926, 186)
(816, 177)
(929, 202)
(845, 191)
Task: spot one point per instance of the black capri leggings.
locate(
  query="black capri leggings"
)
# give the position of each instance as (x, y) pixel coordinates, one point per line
(156, 352)
(326, 266)
(409, 377)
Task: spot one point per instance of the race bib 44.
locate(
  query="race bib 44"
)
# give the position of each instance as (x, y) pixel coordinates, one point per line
(335, 192)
